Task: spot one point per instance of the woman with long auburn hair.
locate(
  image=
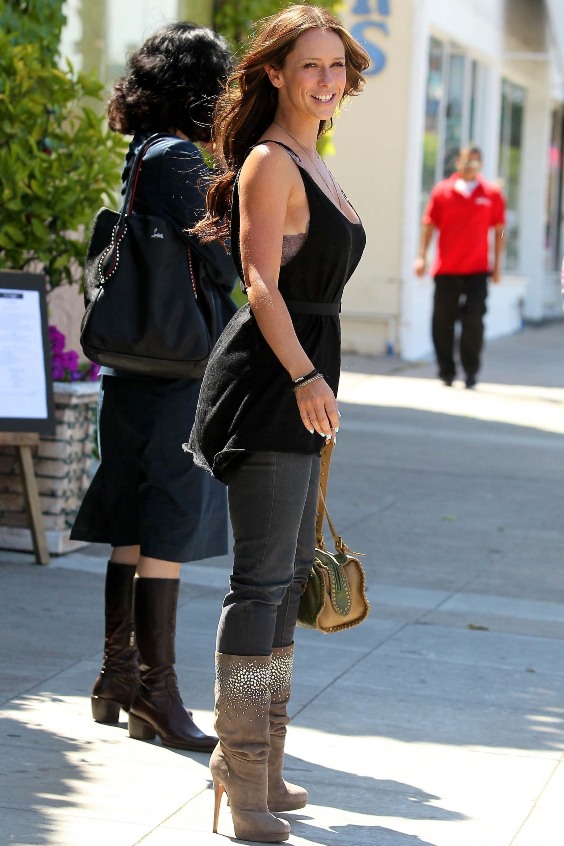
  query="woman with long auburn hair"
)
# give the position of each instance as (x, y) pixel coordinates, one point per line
(248, 106)
(268, 402)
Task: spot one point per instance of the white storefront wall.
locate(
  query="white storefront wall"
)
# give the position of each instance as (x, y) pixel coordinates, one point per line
(380, 157)
(379, 143)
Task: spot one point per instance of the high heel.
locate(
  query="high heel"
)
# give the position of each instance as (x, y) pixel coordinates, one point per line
(218, 789)
(239, 763)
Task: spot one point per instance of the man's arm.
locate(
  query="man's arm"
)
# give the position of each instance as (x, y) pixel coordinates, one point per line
(420, 263)
(498, 251)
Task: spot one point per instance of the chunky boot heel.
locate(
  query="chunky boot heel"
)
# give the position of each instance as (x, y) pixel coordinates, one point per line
(104, 710)
(139, 730)
(239, 763)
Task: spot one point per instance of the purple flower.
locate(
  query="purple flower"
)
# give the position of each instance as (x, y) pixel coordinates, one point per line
(57, 371)
(57, 339)
(69, 360)
(65, 366)
(93, 372)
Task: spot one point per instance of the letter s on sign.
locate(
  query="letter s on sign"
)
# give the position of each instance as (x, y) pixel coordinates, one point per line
(377, 56)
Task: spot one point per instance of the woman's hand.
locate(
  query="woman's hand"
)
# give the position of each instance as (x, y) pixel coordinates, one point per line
(318, 408)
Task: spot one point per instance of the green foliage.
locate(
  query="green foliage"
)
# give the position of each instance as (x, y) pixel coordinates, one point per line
(37, 22)
(58, 161)
(235, 20)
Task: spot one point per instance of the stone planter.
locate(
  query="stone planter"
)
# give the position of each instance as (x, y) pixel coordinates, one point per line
(63, 465)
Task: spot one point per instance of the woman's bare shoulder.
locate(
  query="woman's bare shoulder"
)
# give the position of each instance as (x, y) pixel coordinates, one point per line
(269, 163)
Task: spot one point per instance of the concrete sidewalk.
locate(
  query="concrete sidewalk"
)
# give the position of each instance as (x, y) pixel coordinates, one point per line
(437, 722)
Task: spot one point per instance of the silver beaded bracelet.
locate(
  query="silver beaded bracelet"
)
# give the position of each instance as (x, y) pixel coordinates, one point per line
(307, 381)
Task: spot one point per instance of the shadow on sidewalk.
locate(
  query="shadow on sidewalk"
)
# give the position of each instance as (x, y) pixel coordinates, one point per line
(349, 834)
(37, 778)
(339, 793)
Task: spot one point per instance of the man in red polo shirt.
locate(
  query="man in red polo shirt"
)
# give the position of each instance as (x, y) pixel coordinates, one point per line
(463, 208)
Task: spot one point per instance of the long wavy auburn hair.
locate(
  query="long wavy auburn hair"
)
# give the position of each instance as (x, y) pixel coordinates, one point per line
(248, 104)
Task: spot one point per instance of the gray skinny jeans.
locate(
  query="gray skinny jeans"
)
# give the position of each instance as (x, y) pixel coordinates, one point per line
(272, 505)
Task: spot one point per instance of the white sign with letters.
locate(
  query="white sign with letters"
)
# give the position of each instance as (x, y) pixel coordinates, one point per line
(26, 387)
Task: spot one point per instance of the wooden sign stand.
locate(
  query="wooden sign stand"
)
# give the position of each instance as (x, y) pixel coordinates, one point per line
(24, 441)
(26, 374)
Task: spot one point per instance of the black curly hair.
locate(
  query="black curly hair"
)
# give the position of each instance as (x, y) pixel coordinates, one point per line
(172, 82)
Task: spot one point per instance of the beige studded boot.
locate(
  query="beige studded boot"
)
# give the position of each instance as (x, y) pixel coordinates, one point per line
(239, 763)
(282, 795)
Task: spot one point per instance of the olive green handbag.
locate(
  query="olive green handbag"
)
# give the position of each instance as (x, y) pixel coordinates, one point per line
(334, 596)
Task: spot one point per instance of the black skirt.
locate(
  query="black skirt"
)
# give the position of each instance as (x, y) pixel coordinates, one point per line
(147, 490)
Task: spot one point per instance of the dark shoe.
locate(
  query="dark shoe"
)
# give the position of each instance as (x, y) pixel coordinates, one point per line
(471, 381)
(158, 709)
(118, 681)
(446, 378)
(239, 764)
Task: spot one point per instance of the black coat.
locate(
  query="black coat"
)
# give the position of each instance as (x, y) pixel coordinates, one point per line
(147, 491)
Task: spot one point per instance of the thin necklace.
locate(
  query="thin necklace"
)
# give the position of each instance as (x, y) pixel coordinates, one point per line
(332, 190)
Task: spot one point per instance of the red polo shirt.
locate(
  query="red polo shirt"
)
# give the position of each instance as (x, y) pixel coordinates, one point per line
(463, 223)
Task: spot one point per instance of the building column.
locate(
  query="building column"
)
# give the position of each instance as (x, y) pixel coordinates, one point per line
(532, 212)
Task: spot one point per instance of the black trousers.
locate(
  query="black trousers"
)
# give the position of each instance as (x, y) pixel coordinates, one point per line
(459, 298)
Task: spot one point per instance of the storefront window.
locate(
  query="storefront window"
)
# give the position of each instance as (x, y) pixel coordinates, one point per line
(434, 98)
(452, 109)
(512, 109)
(554, 193)
(455, 107)
(476, 74)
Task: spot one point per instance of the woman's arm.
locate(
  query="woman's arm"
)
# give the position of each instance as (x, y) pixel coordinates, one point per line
(269, 190)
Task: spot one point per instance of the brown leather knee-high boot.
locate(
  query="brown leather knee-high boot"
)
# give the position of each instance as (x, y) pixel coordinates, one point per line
(239, 763)
(282, 795)
(158, 707)
(118, 681)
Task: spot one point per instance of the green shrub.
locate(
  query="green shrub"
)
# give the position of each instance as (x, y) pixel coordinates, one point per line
(37, 22)
(58, 161)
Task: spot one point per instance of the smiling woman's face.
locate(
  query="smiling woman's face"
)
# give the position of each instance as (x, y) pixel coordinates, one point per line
(313, 77)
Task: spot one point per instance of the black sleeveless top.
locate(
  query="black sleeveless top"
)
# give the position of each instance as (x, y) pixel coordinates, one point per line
(246, 401)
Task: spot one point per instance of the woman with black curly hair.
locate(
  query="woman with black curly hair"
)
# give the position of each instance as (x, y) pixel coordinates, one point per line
(147, 499)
